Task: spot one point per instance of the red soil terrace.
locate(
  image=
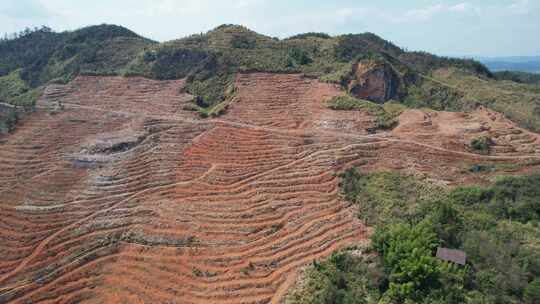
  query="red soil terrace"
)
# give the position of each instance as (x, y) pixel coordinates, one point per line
(112, 193)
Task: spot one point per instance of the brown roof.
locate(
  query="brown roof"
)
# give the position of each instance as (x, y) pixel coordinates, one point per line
(452, 255)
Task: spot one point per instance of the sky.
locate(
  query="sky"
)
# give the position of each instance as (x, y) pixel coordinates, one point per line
(453, 28)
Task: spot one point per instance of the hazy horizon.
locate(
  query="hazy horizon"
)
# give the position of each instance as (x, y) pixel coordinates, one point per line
(471, 28)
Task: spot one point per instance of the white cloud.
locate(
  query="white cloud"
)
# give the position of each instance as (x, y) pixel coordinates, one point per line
(520, 6)
(432, 12)
(422, 14)
(461, 7)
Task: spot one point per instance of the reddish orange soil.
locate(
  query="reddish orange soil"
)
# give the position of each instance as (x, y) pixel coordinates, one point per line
(121, 196)
(455, 131)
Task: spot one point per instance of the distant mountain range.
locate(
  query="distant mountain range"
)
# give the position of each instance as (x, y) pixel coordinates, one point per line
(530, 64)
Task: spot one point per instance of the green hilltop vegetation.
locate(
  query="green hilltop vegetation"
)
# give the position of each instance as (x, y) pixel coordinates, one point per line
(210, 60)
(456, 89)
(521, 77)
(43, 56)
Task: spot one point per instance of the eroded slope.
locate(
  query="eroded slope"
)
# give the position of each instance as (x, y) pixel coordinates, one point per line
(111, 192)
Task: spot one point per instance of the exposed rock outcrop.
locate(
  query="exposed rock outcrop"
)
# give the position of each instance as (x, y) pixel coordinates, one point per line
(375, 81)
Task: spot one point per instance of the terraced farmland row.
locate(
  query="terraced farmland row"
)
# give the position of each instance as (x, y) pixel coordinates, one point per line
(111, 193)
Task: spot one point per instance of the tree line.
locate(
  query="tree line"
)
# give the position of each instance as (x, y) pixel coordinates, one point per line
(27, 31)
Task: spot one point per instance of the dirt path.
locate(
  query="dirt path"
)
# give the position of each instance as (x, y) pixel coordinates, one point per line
(222, 210)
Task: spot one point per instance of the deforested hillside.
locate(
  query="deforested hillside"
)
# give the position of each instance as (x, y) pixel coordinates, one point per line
(209, 61)
(364, 65)
(231, 167)
(42, 56)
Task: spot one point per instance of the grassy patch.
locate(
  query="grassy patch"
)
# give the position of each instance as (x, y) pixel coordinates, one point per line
(452, 89)
(386, 115)
(339, 75)
(384, 196)
(517, 101)
(428, 93)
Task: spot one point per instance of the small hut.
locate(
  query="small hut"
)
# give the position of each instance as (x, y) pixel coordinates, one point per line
(452, 255)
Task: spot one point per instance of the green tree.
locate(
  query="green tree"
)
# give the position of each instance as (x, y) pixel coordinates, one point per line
(407, 254)
(447, 223)
(351, 183)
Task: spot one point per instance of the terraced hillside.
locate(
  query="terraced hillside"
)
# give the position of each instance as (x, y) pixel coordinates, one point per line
(112, 192)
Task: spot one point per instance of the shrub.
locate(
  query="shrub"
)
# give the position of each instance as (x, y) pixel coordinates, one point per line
(482, 144)
(209, 91)
(516, 198)
(275, 228)
(433, 95)
(350, 184)
(447, 222)
(532, 292)
(468, 196)
(384, 197)
(149, 56)
(386, 115)
(297, 56)
(243, 42)
(352, 47)
(521, 77)
(498, 269)
(310, 35)
(478, 168)
(342, 278)
(14, 91)
(8, 121)
(176, 63)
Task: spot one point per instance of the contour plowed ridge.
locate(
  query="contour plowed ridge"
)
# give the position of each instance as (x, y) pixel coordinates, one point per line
(111, 192)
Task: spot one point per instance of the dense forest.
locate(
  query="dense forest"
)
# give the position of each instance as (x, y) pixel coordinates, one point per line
(497, 226)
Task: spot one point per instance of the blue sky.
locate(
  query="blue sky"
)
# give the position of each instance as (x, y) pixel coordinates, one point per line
(458, 28)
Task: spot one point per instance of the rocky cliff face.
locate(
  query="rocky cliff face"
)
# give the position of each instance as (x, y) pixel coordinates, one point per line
(374, 81)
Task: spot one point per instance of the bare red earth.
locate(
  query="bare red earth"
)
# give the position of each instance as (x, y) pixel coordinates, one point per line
(112, 193)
